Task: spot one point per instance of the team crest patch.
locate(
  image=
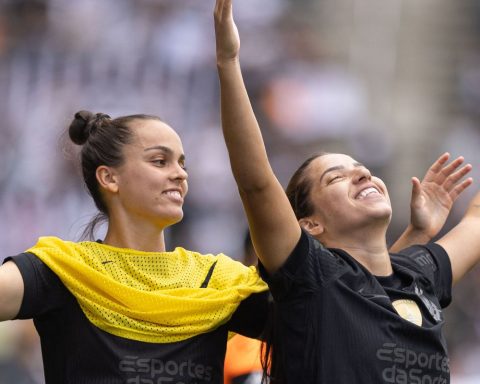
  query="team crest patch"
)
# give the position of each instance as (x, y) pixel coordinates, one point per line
(409, 310)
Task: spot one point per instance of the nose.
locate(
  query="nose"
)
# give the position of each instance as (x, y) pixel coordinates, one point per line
(179, 173)
(361, 174)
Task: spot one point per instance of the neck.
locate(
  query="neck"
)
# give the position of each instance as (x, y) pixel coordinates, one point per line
(375, 259)
(139, 236)
(369, 249)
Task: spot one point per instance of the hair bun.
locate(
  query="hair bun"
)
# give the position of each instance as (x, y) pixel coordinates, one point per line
(83, 124)
(80, 127)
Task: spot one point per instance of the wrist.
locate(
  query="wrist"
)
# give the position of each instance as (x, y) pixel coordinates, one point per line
(226, 62)
(419, 235)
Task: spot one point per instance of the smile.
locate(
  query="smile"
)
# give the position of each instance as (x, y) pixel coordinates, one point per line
(175, 194)
(367, 192)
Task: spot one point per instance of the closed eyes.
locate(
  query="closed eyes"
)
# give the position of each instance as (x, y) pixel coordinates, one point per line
(334, 178)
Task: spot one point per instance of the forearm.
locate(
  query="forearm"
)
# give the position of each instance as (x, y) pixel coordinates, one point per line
(248, 157)
(273, 225)
(462, 243)
(410, 236)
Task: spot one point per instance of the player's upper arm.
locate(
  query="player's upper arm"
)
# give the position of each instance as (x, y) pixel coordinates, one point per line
(11, 291)
(273, 226)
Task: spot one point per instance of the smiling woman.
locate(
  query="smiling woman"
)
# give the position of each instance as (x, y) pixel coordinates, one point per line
(149, 315)
(345, 309)
(349, 197)
(132, 166)
(145, 193)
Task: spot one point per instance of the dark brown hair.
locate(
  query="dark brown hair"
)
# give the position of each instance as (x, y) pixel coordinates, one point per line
(299, 187)
(102, 139)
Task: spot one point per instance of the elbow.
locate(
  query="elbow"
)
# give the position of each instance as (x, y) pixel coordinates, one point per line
(251, 189)
(255, 183)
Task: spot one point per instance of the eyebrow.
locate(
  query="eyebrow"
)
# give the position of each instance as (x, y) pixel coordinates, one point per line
(337, 167)
(162, 148)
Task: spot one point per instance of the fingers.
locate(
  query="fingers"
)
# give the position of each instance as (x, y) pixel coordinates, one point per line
(218, 9)
(449, 169)
(416, 189)
(223, 16)
(439, 173)
(455, 177)
(438, 164)
(459, 188)
(416, 186)
(448, 177)
(222, 7)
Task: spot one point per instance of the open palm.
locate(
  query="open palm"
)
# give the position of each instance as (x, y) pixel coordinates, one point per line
(433, 197)
(226, 32)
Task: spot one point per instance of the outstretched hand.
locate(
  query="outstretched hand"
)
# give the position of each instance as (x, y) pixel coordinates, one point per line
(433, 197)
(226, 32)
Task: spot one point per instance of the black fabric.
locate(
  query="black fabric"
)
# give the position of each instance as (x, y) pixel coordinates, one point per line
(76, 352)
(335, 322)
(209, 276)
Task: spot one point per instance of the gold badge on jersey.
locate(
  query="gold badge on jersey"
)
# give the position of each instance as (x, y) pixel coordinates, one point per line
(409, 310)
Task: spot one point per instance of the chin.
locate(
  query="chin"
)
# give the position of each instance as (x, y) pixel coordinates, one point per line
(384, 210)
(385, 217)
(176, 219)
(385, 214)
(170, 219)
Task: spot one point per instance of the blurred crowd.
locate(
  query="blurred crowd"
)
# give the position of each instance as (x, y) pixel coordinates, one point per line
(320, 74)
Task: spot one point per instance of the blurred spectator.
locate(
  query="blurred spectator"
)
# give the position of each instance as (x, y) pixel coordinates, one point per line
(20, 355)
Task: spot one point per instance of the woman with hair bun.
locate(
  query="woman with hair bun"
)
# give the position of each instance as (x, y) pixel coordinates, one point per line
(124, 310)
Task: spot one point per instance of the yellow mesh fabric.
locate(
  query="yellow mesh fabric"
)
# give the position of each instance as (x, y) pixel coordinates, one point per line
(149, 296)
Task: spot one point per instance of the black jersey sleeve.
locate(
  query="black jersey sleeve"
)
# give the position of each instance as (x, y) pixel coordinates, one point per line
(43, 292)
(432, 262)
(309, 267)
(251, 315)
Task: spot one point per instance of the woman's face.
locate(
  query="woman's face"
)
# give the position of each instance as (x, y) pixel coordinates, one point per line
(152, 181)
(345, 195)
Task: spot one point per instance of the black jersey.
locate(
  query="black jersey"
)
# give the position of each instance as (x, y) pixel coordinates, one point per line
(76, 351)
(337, 323)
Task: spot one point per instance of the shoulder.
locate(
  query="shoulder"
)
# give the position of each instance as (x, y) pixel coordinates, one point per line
(50, 241)
(310, 254)
(182, 252)
(221, 260)
(309, 267)
(222, 270)
(51, 245)
(29, 265)
(420, 257)
(43, 290)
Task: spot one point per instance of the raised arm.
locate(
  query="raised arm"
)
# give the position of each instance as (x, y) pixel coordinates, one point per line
(274, 228)
(462, 243)
(432, 200)
(11, 291)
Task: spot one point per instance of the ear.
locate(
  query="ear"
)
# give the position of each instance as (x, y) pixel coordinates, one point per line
(107, 178)
(312, 226)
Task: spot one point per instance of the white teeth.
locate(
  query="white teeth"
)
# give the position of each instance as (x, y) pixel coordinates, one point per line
(366, 192)
(173, 193)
